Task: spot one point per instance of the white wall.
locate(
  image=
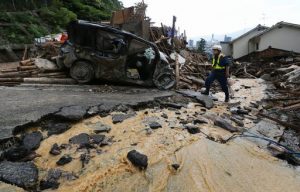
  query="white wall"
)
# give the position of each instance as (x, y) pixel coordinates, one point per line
(240, 46)
(285, 38)
(226, 49)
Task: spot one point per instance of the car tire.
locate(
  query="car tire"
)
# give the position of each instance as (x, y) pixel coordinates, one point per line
(82, 72)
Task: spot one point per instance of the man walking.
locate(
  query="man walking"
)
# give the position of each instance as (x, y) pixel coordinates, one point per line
(220, 72)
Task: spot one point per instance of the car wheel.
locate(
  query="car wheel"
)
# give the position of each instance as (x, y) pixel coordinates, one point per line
(82, 71)
(165, 80)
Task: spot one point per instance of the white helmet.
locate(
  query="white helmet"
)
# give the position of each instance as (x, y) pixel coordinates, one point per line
(217, 47)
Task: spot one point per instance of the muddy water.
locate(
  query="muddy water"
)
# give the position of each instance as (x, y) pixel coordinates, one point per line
(205, 165)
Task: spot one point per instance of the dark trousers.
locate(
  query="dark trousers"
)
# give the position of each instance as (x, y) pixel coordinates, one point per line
(221, 77)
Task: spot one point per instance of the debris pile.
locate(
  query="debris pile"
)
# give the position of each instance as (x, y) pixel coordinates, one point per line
(35, 70)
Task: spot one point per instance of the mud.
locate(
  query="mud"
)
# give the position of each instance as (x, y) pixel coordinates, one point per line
(188, 152)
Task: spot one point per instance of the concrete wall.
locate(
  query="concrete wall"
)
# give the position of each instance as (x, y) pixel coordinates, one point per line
(240, 47)
(285, 38)
(226, 49)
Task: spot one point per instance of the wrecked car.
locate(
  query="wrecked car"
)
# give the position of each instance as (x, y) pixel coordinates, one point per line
(96, 51)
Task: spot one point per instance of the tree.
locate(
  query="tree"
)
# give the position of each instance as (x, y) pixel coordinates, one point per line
(201, 45)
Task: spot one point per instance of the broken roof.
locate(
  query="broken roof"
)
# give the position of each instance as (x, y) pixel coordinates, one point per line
(258, 27)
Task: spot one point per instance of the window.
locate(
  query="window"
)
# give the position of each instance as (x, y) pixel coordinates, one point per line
(257, 46)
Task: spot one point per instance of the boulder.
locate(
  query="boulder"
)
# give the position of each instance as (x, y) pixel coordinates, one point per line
(31, 141)
(99, 127)
(55, 149)
(119, 118)
(80, 139)
(64, 160)
(155, 125)
(137, 159)
(21, 174)
(16, 153)
(55, 128)
(72, 113)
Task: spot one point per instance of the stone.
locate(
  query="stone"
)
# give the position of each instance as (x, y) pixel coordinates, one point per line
(94, 110)
(55, 128)
(137, 159)
(106, 108)
(31, 141)
(206, 101)
(165, 116)
(97, 139)
(237, 121)
(16, 153)
(192, 129)
(80, 139)
(268, 129)
(172, 105)
(64, 160)
(100, 127)
(21, 174)
(72, 113)
(55, 149)
(225, 124)
(119, 118)
(48, 184)
(176, 166)
(154, 125)
(266, 77)
(201, 120)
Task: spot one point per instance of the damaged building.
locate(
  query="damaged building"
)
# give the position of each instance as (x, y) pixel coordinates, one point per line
(280, 40)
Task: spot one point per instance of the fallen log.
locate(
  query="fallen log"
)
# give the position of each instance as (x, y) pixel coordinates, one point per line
(9, 70)
(45, 80)
(11, 79)
(15, 74)
(27, 68)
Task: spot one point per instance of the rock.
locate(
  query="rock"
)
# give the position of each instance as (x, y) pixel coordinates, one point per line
(80, 139)
(192, 129)
(268, 129)
(237, 121)
(31, 141)
(21, 174)
(164, 116)
(55, 128)
(176, 166)
(94, 110)
(137, 159)
(154, 125)
(206, 101)
(16, 153)
(85, 159)
(45, 64)
(97, 139)
(201, 120)
(106, 108)
(64, 160)
(46, 184)
(266, 77)
(119, 118)
(122, 108)
(100, 127)
(72, 113)
(55, 149)
(172, 105)
(225, 124)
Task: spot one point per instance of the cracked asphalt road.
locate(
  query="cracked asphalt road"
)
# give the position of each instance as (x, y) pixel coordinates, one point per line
(27, 103)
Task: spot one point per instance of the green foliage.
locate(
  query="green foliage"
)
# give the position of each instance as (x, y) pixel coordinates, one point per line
(42, 17)
(201, 46)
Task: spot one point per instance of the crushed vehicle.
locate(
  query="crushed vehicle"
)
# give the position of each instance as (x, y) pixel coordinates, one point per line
(96, 51)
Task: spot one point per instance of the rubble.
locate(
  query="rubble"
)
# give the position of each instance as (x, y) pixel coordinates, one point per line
(31, 141)
(137, 159)
(22, 174)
